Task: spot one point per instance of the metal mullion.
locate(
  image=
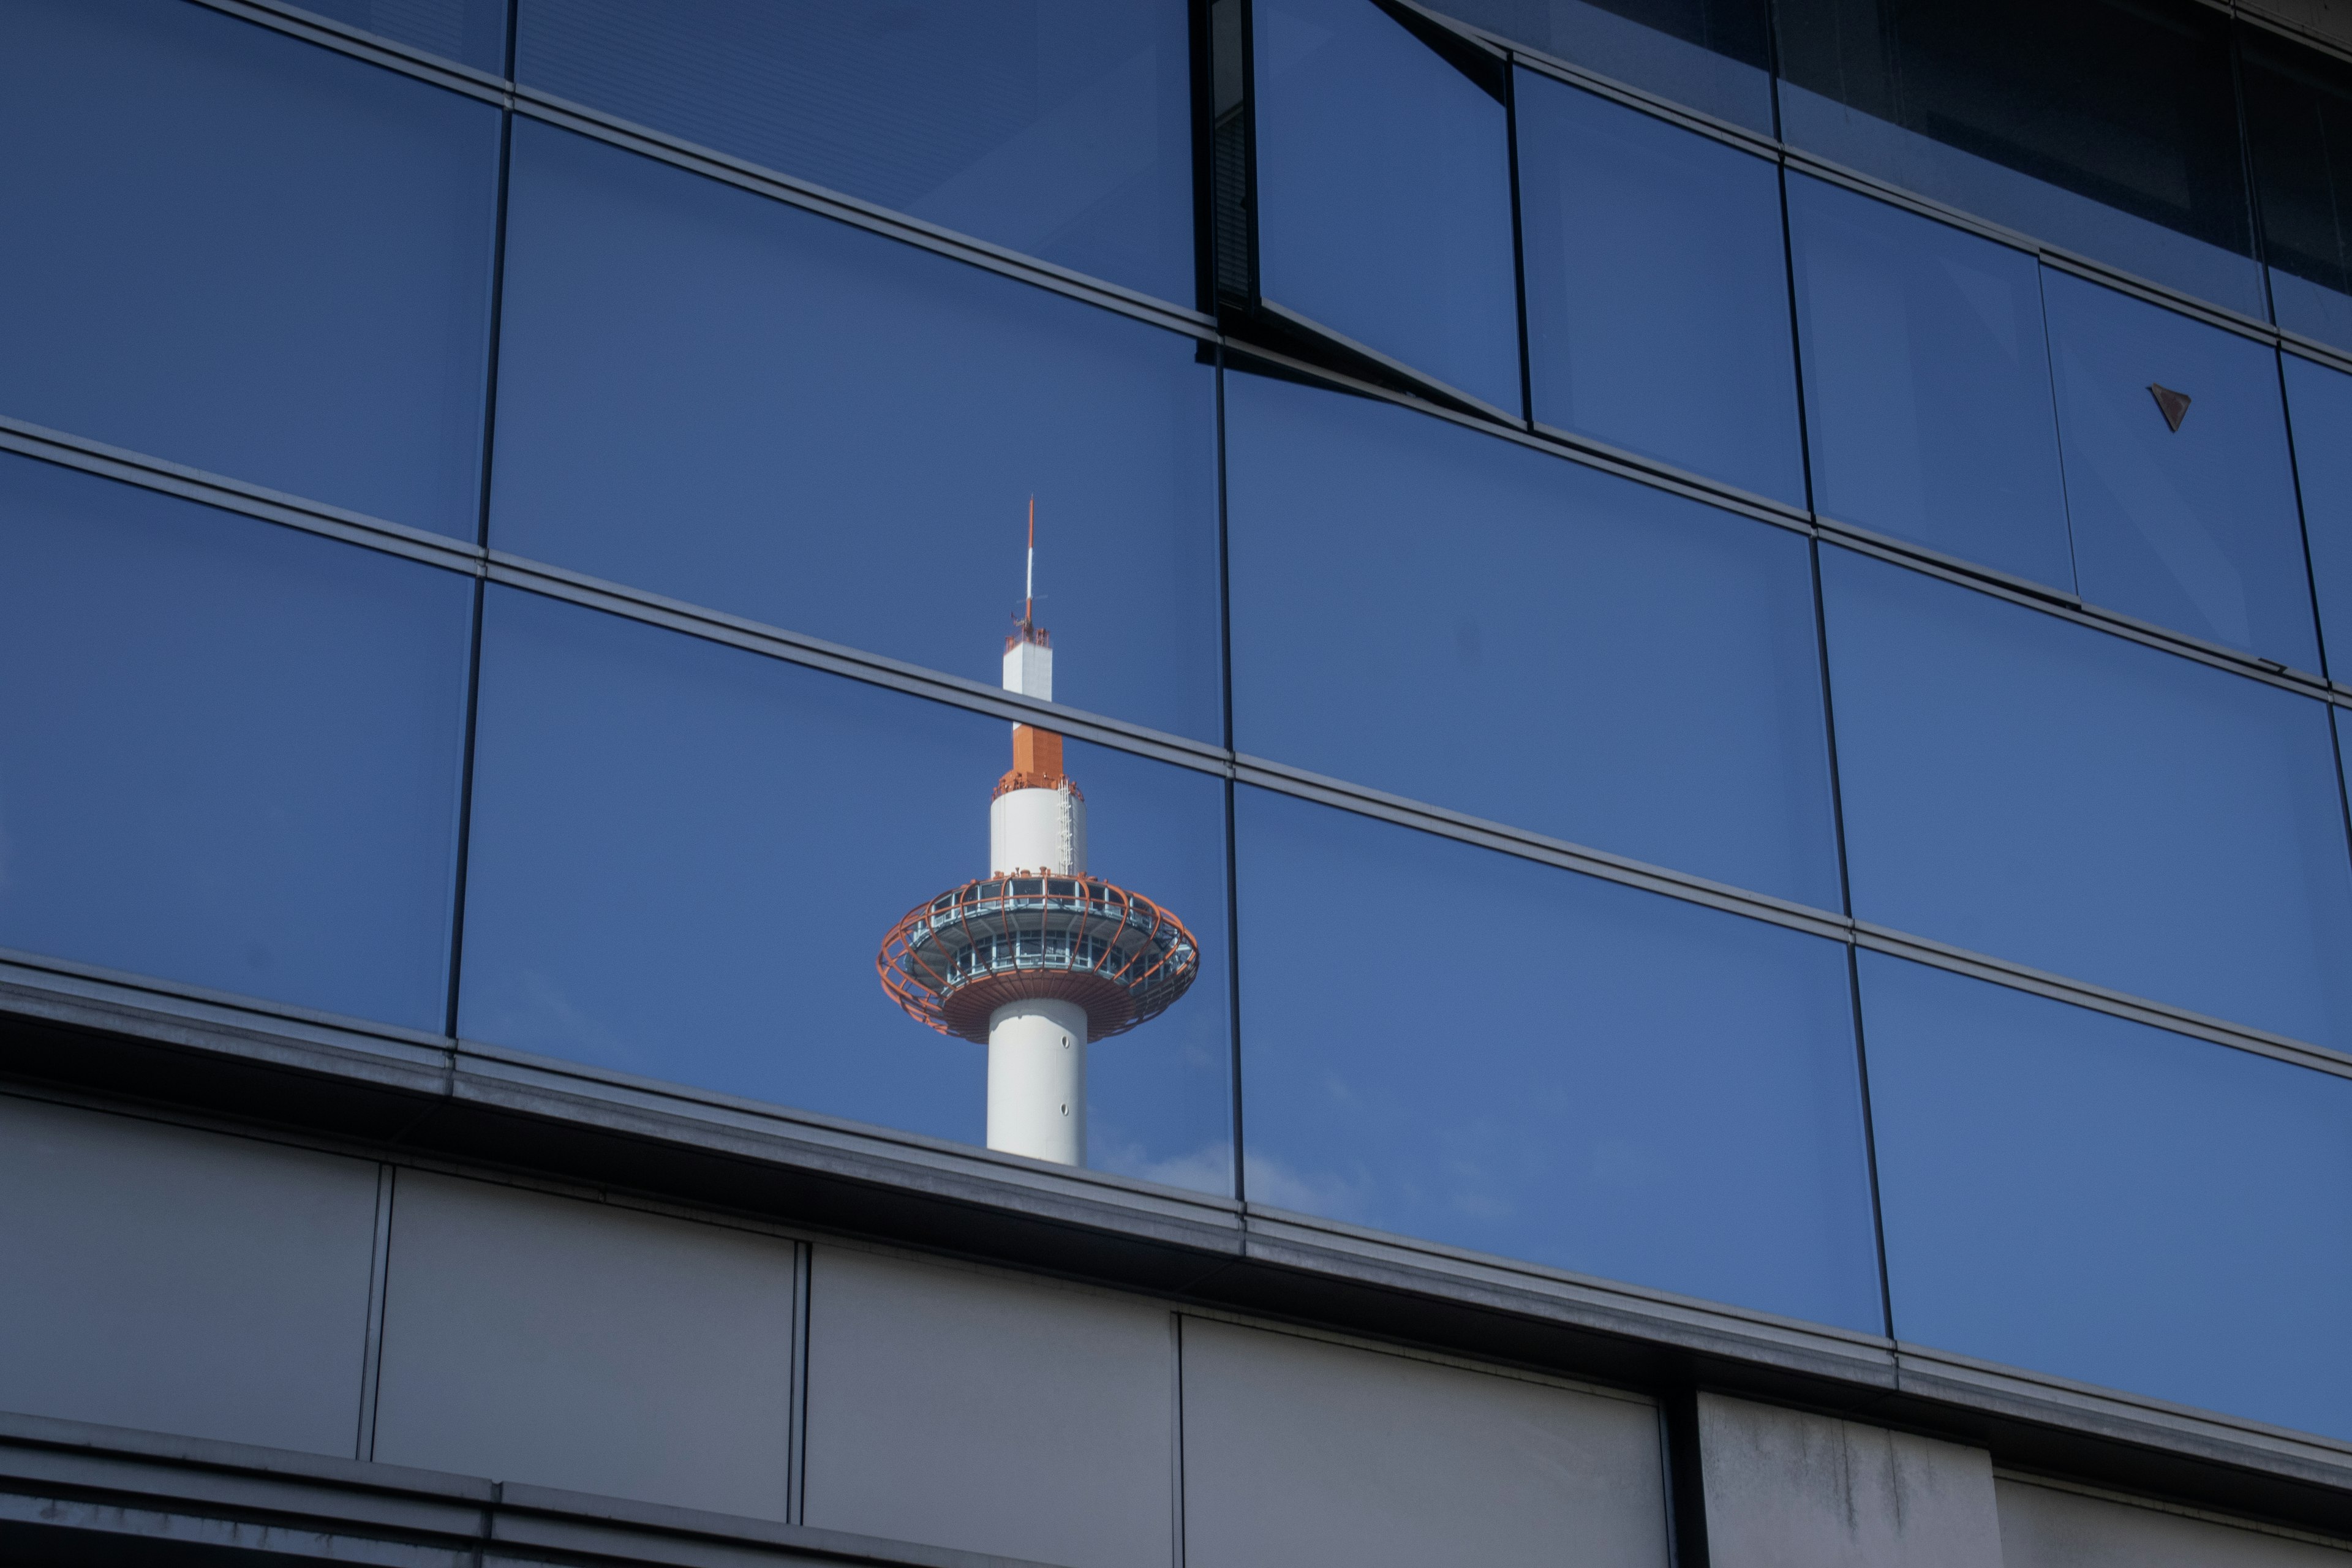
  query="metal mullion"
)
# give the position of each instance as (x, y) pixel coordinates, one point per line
(313, 28)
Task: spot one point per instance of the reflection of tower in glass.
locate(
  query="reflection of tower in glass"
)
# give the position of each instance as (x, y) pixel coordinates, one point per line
(1037, 958)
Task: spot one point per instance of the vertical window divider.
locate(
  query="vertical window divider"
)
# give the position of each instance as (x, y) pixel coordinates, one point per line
(1518, 236)
(1232, 864)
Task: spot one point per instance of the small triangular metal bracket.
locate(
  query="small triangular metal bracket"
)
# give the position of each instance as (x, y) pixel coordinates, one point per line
(2174, 406)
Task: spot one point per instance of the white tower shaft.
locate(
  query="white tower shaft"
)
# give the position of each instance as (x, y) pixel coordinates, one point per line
(1037, 1080)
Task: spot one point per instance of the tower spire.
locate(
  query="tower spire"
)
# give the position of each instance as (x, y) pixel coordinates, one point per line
(1029, 585)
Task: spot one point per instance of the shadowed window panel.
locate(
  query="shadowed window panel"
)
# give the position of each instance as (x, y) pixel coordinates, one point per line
(232, 752)
(2193, 527)
(2299, 121)
(1058, 128)
(1384, 193)
(2021, 786)
(472, 32)
(1658, 291)
(2078, 1194)
(2109, 127)
(1449, 1043)
(732, 402)
(2319, 405)
(1927, 397)
(1525, 639)
(683, 857)
(1713, 55)
(254, 256)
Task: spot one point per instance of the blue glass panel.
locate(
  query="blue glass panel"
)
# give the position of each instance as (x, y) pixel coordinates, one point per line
(1061, 128)
(2298, 109)
(683, 857)
(1712, 55)
(232, 750)
(1658, 291)
(1454, 1044)
(253, 255)
(2312, 308)
(2079, 1194)
(2319, 405)
(733, 401)
(1463, 620)
(2193, 528)
(472, 32)
(1384, 195)
(2020, 785)
(1928, 383)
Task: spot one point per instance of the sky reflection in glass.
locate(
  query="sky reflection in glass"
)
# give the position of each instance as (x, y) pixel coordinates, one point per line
(473, 32)
(684, 856)
(2319, 405)
(1446, 1042)
(1713, 55)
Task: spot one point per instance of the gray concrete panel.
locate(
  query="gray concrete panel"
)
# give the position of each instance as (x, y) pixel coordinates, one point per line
(1299, 1453)
(2042, 1527)
(567, 1344)
(1786, 1489)
(970, 1410)
(182, 1281)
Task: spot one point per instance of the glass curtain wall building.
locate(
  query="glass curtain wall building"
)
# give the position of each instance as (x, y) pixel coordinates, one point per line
(1730, 625)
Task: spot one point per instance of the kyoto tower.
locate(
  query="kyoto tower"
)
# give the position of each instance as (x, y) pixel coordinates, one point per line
(1036, 959)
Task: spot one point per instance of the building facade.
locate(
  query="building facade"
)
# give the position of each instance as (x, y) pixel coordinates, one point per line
(1712, 621)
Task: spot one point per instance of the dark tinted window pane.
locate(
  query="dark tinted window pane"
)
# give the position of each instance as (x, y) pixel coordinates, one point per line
(1658, 291)
(1627, 1085)
(2105, 126)
(2193, 528)
(2082, 1195)
(683, 856)
(1061, 128)
(1384, 195)
(1710, 54)
(730, 401)
(2021, 786)
(247, 254)
(472, 32)
(2319, 402)
(1525, 639)
(2299, 118)
(1928, 383)
(231, 756)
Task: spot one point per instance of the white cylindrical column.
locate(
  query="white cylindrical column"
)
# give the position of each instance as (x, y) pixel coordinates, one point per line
(1038, 830)
(1037, 1080)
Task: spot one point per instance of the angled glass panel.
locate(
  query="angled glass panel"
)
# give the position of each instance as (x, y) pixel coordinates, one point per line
(2019, 784)
(1449, 1043)
(2319, 405)
(727, 400)
(247, 254)
(1658, 291)
(683, 859)
(2299, 122)
(1463, 620)
(1059, 128)
(1928, 383)
(232, 750)
(2109, 127)
(1384, 193)
(2082, 1195)
(1713, 55)
(471, 32)
(2192, 528)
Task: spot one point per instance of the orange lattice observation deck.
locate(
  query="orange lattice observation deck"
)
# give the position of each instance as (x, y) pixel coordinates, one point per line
(1037, 958)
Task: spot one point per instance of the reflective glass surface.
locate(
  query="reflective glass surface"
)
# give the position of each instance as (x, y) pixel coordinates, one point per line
(471, 32)
(2109, 127)
(683, 857)
(1060, 128)
(2299, 120)
(287, 279)
(2079, 1194)
(1450, 1043)
(232, 750)
(1526, 639)
(1384, 193)
(2193, 528)
(2319, 405)
(2021, 786)
(1928, 383)
(1709, 54)
(1657, 289)
(733, 401)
